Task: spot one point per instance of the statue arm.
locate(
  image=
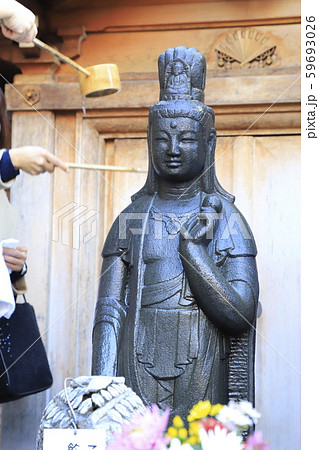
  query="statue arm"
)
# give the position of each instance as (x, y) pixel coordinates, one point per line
(110, 315)
(229, 305)
(228, 299)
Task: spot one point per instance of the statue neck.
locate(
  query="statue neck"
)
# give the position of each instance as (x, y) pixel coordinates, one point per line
(178, 191)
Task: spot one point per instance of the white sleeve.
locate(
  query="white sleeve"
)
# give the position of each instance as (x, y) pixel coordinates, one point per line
(19, 20)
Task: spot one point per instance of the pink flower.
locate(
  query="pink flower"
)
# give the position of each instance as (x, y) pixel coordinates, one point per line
(144, 432)
(255, 442)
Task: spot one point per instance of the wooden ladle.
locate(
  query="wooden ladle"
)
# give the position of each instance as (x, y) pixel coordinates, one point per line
(95, 81)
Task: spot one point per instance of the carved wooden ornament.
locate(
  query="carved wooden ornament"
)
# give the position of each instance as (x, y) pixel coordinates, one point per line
(244, 46)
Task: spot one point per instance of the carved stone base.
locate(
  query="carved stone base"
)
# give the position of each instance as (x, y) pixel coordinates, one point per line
(96, 402)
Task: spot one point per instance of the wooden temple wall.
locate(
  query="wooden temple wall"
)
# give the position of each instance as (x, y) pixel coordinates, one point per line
(63, 219)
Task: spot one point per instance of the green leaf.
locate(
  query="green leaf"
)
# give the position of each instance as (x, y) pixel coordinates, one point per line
(197, 447)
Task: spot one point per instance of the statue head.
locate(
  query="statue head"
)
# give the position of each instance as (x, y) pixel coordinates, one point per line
(181, 126)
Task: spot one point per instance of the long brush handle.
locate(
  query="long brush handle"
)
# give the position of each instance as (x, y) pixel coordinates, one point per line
(64, 58)
(103, 167)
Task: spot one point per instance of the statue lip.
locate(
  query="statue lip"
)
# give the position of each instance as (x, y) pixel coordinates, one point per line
(173, 162)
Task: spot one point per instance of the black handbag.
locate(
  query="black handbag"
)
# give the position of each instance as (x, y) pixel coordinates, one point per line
(24, 366)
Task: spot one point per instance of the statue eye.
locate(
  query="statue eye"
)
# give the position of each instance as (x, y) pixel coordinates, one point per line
(162, 140)
(188, 140)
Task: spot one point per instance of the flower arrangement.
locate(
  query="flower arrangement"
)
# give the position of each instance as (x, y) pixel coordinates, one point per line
(210, 427)
(219, 427)
(144, 432)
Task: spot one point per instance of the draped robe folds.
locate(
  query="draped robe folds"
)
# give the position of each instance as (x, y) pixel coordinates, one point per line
(171, 353)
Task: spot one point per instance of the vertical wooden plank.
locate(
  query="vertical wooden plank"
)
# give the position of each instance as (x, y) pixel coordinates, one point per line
(130, 153)
(87, 259)
(62, 332)
(224, 162)
(242, 175)
(33, 198)
(276, 224)
(263, 174)
(109, 182)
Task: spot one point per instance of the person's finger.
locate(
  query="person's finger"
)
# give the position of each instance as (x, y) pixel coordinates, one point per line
(9, 34)
(57, 162)
(46, 166)
(14, 259)
(23, 251)
(30, 35)
(12, 254)
(14, 267)
(15, 264)
(39, 163)
(10, 259)
(22, 248)
(10, 251)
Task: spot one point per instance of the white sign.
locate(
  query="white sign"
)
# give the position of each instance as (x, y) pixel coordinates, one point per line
(71, 439)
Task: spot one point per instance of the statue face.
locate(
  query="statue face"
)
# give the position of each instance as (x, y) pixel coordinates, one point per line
(178, 68)
(178, 148)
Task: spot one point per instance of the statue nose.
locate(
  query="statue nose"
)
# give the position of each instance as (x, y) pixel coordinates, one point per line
(174, 148)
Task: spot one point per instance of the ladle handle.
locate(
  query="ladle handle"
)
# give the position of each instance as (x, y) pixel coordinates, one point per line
(64, 58)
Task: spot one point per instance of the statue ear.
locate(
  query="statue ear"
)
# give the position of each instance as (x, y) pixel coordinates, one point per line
(149, 139)
(148, 135)
(212, 139)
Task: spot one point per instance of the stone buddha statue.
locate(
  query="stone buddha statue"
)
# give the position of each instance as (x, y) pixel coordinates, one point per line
(178, 293)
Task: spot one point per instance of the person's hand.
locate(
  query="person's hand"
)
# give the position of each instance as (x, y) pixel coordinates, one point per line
(15, 257)
(17, 21)
(35, 160)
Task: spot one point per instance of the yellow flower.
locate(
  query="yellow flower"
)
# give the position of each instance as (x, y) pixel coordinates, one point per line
(199, 411)
(192, 440)
(182, 433)
(172, 432)
(194, 428)
(215, 409)
(178, 422)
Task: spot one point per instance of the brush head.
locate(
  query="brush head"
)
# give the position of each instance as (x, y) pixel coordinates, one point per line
(104, 79)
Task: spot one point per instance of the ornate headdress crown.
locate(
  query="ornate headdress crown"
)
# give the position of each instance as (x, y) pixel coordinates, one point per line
(182, 74)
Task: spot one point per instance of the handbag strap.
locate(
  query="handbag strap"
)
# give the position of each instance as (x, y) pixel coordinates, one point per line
(23, 295)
